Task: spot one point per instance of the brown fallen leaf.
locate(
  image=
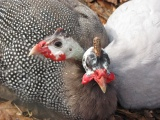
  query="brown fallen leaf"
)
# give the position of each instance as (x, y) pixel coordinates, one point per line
(103, 9)
(115, 2)
(10, 112)
(128, 114)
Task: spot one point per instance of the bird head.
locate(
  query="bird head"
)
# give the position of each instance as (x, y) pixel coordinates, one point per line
(58, 47)
(95, 62)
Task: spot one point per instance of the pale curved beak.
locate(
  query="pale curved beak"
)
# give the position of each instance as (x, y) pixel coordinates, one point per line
(33, 51)
(102, 83)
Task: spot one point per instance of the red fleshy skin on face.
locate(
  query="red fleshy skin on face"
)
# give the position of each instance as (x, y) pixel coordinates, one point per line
(41, 43)
(62, 57)
(43, 49)
(111, 77)
(97, 75)
(87, 78)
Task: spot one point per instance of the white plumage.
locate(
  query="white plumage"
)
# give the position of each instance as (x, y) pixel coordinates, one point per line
(134, 51)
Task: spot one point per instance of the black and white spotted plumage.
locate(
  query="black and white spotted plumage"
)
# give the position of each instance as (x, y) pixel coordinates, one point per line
(91, 62)
(25, 22)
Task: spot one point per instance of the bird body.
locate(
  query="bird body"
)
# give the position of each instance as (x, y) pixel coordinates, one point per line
(101, 104)
(133, 31)
(134, 54)
(34, 79)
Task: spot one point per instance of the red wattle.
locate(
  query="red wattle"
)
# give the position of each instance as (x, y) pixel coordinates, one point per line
(101, 72)
(97, 75)
(43, 49)
(47, 53)
(111, 77)
(87, 78)
(61, 57)
(41, 43)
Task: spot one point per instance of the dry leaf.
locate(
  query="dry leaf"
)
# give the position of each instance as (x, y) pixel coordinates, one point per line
(10, 112)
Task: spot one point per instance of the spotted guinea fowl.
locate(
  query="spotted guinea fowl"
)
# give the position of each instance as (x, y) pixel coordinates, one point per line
(133, 31)
(55, 85)
(91, 83)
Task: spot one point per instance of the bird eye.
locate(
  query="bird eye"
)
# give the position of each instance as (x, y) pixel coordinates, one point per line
(105, 58)
(70, 49)
(58, 44)
(91, 61)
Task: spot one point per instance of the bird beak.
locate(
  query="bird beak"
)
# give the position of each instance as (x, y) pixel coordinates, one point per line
(38, 48)
(100, 76)
(33, 51)
(102, 83)
(101, 80)
(42, 49)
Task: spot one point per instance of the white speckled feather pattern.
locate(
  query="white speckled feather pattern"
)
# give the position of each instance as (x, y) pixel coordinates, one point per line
(23, 23)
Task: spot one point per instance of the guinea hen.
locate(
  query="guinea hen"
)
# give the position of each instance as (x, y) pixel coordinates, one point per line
(63, 47)
(134, 53)
(96, 75)
(55, 85)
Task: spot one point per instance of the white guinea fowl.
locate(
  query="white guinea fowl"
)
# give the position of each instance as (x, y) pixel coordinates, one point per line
(134, 51)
